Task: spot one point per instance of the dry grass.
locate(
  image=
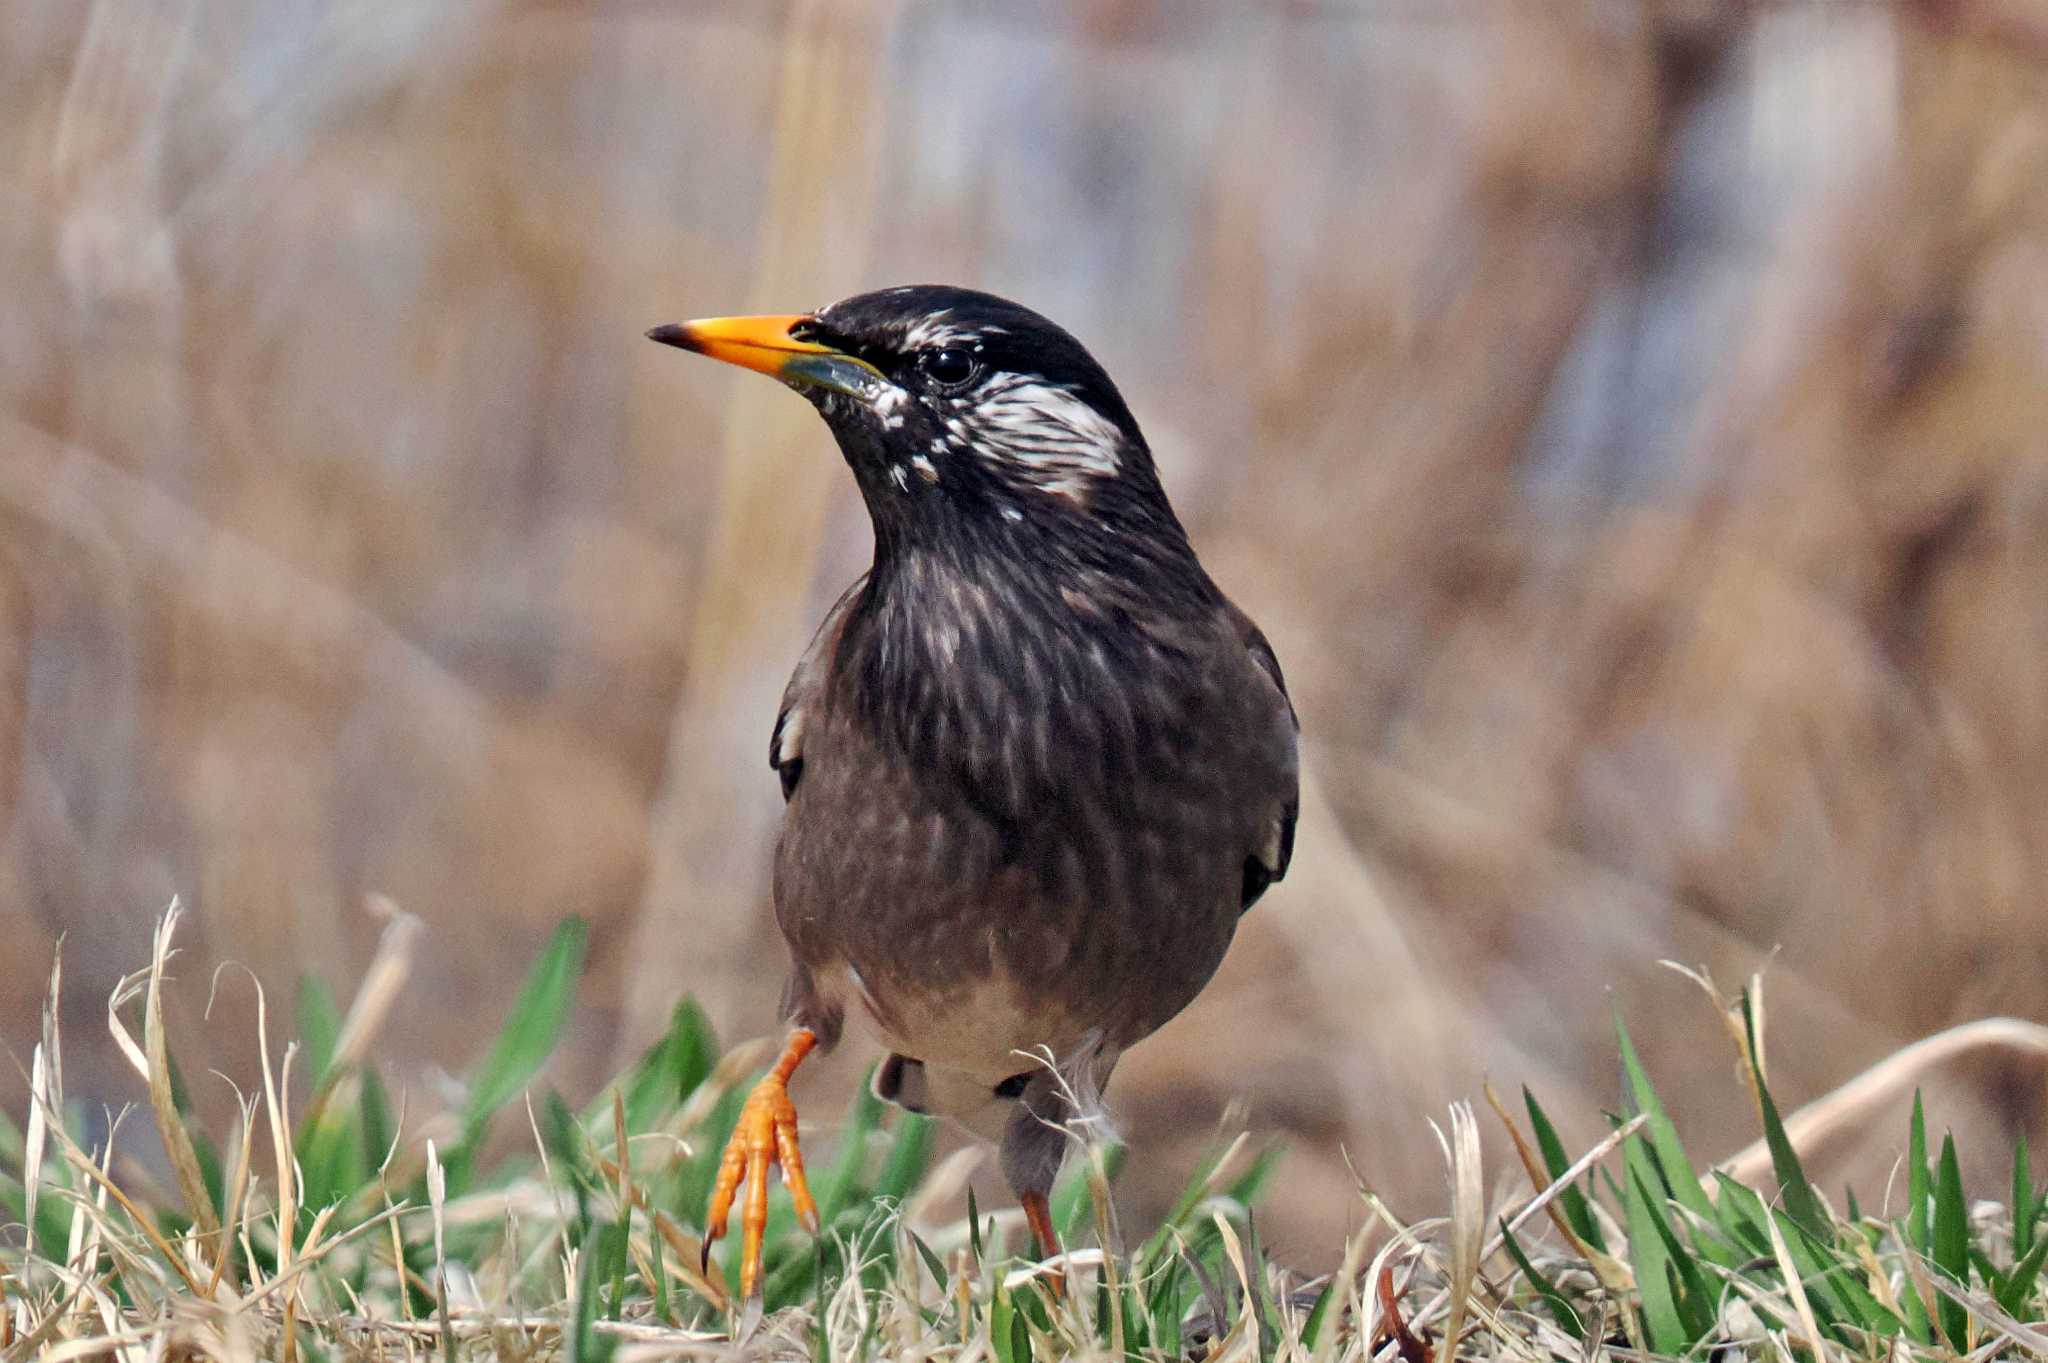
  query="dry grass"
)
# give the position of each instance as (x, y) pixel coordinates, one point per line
(1623, 414)
(293, 1240)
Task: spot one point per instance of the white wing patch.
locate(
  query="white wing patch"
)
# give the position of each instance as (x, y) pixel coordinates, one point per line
(789, 740)
(1272, 848)
(1057, 440)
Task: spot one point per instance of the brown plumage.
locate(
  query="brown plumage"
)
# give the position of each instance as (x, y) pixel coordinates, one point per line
(1036, 763)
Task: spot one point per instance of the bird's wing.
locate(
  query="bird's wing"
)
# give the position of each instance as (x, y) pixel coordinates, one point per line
(1269, 860)
(806, 684)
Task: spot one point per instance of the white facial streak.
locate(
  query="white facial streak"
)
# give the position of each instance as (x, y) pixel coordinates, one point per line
(888, 403)
(937, 330)
(1045, 432)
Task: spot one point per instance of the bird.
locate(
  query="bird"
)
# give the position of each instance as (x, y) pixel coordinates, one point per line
(1035, 763)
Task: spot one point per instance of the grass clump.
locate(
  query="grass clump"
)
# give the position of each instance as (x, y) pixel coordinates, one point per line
(521, 1226)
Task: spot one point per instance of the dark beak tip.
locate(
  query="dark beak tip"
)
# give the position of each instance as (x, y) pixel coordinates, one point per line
(670, 334)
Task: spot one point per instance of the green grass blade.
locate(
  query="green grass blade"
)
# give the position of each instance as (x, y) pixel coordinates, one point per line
(531, 1028)
(1009, 1332)
(694, 1180)
(331, 1163)
(1677, 1171)
(1020, 1337)
(1312, 1328)
(1919, 1187)
(1247, 1187)
(319, 1018)
(1833, 1280)
(612, 1242)
(999, 1312)
(1261, 1332)
(1167, 1304)
(1987, 1271)
(1191, 1194)
(2022, 1200)
(666, 1073)
(1834, 1284)
(2018, 1286)
(821, 1334)
(1689, 1288)
(1918, 1236)
(1663, 1322)
(583, 1344)
(910, 1154)
(203, 1148)
(663, 1312)
(1073, 1204)
(791, 1262)
(374, 1119)
(1801, 1202)
(1560, 1308)
(1951, 1242)
(569, 1156)
(332, 1152)
(1742, 1215)
(841, 1184)
(933, 1264)
(1918, 1329)
(1578, 1213)
(1137, 1321)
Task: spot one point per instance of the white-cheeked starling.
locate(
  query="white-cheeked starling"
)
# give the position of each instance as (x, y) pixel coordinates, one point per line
(1036, 763)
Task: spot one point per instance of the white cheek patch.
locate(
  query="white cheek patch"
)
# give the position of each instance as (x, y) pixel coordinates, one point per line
(1046, 432)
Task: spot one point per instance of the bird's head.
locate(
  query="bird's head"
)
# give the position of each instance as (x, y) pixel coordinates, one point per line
(959, 412)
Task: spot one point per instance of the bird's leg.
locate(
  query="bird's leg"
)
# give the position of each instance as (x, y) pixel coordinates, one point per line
(766, 1135)
(1038, 1211)
(1034, 1143)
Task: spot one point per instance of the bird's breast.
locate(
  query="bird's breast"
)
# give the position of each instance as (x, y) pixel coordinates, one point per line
(1035, 789)
(987, 1027)
(1021, 861)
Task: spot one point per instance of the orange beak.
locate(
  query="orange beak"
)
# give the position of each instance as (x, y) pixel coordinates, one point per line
(765, 344)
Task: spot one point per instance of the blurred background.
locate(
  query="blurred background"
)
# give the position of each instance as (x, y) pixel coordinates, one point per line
(1629, 419)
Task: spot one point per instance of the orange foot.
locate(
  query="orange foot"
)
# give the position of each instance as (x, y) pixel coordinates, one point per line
(766, 1135)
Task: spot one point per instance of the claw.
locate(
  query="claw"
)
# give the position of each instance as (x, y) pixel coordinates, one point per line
(766, 1135)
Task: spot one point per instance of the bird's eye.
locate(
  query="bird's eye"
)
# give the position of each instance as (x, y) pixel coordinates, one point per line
(949, 367)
